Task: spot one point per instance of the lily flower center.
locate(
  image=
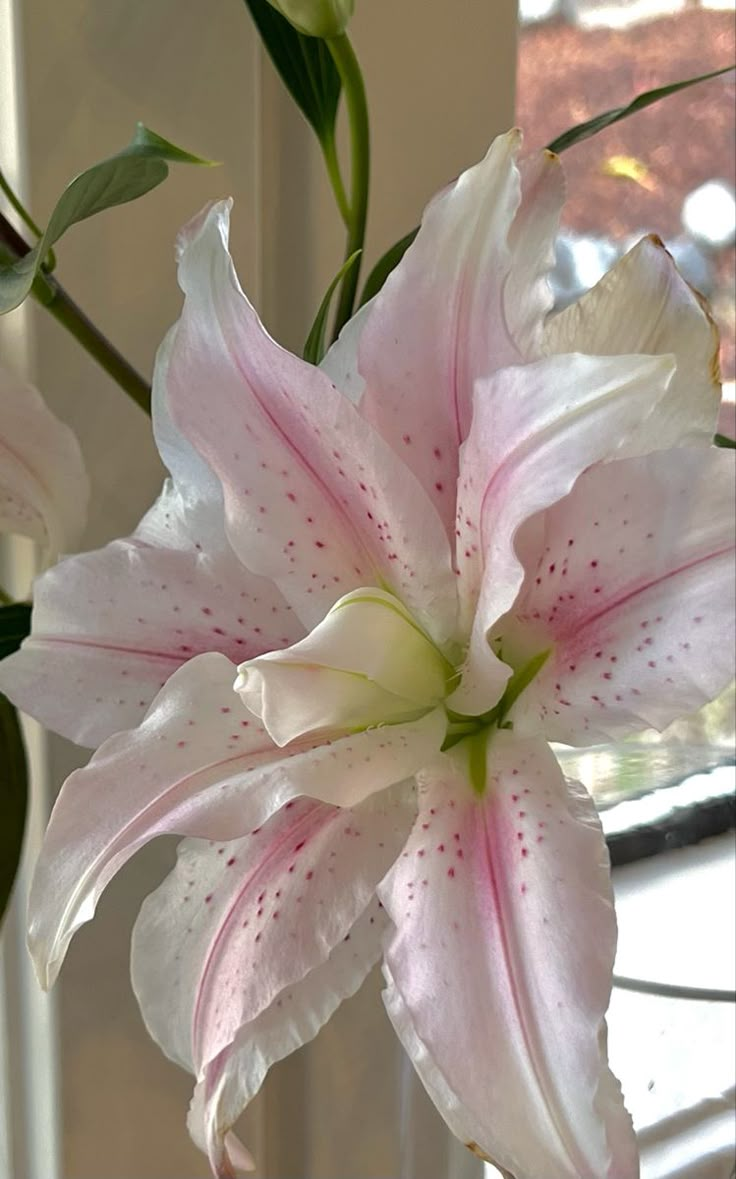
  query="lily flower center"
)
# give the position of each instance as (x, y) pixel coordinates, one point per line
(475, 731)
(369, 663)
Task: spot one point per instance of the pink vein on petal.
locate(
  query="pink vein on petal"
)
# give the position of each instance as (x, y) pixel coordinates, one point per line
(621, 601)
(299, 454)
(132, 650)
(506, 946)
(306, 821)
(540, 1072)
(187, 780)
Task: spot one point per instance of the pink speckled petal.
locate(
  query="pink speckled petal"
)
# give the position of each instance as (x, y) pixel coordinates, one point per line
(44, 489)
(630, 582)
(292, 1019)
(110, 627)
(644, 305)
(535, 429)
(314, 498)
(201, 765)
(236, 923)
(499, 968)
(438, 323)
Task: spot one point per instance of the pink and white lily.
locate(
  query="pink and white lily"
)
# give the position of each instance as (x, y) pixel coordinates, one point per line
(520, 533)
(44, 490)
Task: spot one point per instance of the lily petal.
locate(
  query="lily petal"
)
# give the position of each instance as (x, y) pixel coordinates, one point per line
(644, 305)
(44, 489)
(194, 479)
(235, 924)
(293, 1018)
(201, 765)
(535, 429)
(341, 361)
(438, 323)
(110, 627)
(469, 297)
(528, 295)
(504, 923)
(630, 582)
(367, 663)
(314, 498)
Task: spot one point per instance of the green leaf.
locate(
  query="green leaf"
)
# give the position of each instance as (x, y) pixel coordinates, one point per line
(15, 624)
(385, 265)
(724, 441)
(13, 799)
(648, 98)
(135, 170)
(314, 349)
(305, 65)
(146, 142)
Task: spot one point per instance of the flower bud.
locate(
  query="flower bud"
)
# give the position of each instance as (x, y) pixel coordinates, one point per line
(367, 663)
(316, 18)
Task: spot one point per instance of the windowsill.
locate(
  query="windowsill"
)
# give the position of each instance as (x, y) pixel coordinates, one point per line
(675, 1057)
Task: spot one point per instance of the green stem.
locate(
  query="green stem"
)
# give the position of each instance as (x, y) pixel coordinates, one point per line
(15, 203)
(329, 151)
(66, 312)
(357, 109)
(20, 209)
(51, 295)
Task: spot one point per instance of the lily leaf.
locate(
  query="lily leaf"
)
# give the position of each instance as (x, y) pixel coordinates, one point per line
(135, 170)
(314, 349)
(388, 262)
(724, 441)
(608, 118)
(393, 256)
(13, 798)
(305, 65)
(15, 624)
(146, 142)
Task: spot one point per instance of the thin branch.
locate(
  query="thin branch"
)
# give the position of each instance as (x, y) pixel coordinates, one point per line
(47, 291)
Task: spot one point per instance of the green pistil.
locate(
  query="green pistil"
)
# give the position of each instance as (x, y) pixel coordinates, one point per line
(520, 680)
(475, 730)
(476, 747)
(458, 731)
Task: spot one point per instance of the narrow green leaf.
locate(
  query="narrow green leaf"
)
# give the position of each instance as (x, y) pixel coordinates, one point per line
(608, 118)
(305, 65)
(725, 442)
(13, 799)
(135, 170)
(314, 349)
(385, 265)
(146, 142)
(15, 624)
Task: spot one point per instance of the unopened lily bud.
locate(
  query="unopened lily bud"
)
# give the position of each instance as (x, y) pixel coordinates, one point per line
(316, 18)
